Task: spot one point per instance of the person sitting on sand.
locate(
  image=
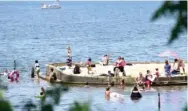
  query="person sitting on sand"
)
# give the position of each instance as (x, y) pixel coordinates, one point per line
(53, 77)
(76, 69)
(51, 72)
(88, 64)
(140, 80)
(176, 68)
(167, 69)
(117, 64)
(181, 64)
(135, 94)
(105, 60)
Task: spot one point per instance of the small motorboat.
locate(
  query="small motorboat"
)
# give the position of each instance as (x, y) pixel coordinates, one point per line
(55, 5)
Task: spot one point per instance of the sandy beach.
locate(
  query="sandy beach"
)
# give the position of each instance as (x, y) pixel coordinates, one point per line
(132, 71)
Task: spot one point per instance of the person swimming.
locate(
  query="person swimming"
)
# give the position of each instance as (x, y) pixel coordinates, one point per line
(135, 94)
(86, 85)
(107, 93)
(113, 95)
(42, 93)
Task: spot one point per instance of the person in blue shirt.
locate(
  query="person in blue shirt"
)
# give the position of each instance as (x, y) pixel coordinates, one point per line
(167, 69)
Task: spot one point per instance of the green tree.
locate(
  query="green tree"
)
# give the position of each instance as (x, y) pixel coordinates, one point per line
(177, 9)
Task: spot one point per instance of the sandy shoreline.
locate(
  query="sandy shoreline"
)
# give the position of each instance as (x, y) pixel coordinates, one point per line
(132, 71)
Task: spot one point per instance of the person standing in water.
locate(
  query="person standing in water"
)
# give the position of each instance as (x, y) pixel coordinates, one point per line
(37, 68)
(42, 93)
(122, 84)
(86, 85)
(135, 94)
(107, 93)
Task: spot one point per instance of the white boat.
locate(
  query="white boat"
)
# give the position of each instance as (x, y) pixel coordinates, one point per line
(55, 5)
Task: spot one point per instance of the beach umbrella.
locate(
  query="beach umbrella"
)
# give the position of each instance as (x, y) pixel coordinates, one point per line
(168, 54)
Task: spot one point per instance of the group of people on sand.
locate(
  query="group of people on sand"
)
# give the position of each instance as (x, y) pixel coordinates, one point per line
(175, 68)
(147, 79)
(168, 69)
(118, 65)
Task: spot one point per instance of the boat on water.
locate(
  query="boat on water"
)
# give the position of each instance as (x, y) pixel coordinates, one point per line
(54, 5)
(100, 77)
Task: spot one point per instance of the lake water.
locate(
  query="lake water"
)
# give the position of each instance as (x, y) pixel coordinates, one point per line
(92, 29)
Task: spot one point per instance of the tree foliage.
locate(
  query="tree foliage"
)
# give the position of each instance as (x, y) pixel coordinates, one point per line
(177, 9)
(80, 107)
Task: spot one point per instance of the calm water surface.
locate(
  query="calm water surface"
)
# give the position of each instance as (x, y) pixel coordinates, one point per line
(92, 29)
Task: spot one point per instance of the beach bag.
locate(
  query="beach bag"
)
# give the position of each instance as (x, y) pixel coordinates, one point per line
(129, 64)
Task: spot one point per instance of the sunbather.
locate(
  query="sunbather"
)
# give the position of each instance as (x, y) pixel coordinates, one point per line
(181, 64)
(140, 80)
(76, 69)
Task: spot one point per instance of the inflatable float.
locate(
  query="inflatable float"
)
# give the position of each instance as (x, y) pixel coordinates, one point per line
(116, 96)
(13, 76)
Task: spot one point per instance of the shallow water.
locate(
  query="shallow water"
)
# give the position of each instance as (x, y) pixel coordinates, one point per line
(172, 98)
(92, 29)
